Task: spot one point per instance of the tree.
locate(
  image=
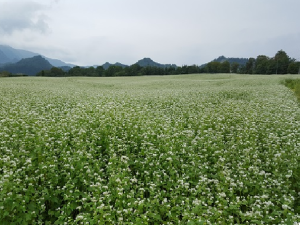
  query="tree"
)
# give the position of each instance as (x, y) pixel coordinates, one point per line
(249, 67)
(53, 72)
(184, 69)
(76, 71)
(112, 71)
(242, 69)
(224, 67)
(178, 70)
(5, 74)
(170, 70)
(212, 67)
(261, 64)
(90, 72)
(133, 70)
(282, 62)
(272, 66)
(100, 71)
(294, 68)
(193, 69)
(234, 67)
(56, 72)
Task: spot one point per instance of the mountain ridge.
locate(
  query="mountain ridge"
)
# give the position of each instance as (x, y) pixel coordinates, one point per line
(222, 58)
(149, 62)
(11, 57)
(9, 54)
(107, 65)
(28, 66)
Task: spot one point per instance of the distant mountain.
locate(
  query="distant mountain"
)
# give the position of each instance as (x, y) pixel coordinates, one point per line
(12, 55)
(142, 62)
(241, 61)
(58, 63)
(3, 58)
(149, 62)
(28, 66)
(107, 65)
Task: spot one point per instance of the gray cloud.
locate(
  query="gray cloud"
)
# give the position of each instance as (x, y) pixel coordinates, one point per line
(170, 31)
(22, 15)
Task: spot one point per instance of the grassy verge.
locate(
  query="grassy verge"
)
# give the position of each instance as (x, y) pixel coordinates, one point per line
(294, 84)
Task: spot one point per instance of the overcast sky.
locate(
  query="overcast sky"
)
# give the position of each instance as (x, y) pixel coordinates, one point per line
(92, 32)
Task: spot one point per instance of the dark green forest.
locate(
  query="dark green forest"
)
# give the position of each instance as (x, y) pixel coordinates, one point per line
(281, 63)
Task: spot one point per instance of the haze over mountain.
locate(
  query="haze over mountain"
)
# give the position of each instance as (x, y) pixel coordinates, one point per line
(12, 55)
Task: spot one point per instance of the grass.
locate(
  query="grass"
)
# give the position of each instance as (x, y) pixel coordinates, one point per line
(294, 84)
(192, 149)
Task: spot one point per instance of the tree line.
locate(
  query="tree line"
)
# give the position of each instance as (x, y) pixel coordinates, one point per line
(115, 71)
(281, 63)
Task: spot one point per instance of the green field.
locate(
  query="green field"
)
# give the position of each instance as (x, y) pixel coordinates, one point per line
(190, 149)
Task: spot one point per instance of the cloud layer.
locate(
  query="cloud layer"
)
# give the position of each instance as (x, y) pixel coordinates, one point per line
(22, 15)
(170, 31)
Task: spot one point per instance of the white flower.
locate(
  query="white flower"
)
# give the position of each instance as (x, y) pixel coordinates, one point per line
(79, 217)
(222, 194)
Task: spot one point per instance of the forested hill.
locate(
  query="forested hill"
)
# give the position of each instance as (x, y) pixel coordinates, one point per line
(107, 65)
(240, 61)
(145, 62)
(28, 66)
(231, 60)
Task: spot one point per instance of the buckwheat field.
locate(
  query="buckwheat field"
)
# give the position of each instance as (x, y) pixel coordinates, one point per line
(190, 149)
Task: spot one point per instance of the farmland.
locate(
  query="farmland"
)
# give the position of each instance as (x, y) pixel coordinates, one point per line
(193, 149)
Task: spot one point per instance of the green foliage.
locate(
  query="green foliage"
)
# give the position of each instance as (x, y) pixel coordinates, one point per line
(272, 66)
(234, 67)
(53, 72)
(100, 71)
(261, 64)
(212, 67)
(249, 67)
(224, 67)
(294, 68)
(294, 84)
(5, 74)
(192, 149)
(76, 71)
(282, 62)
(113, 71)
(133, 70)
(218, 67)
